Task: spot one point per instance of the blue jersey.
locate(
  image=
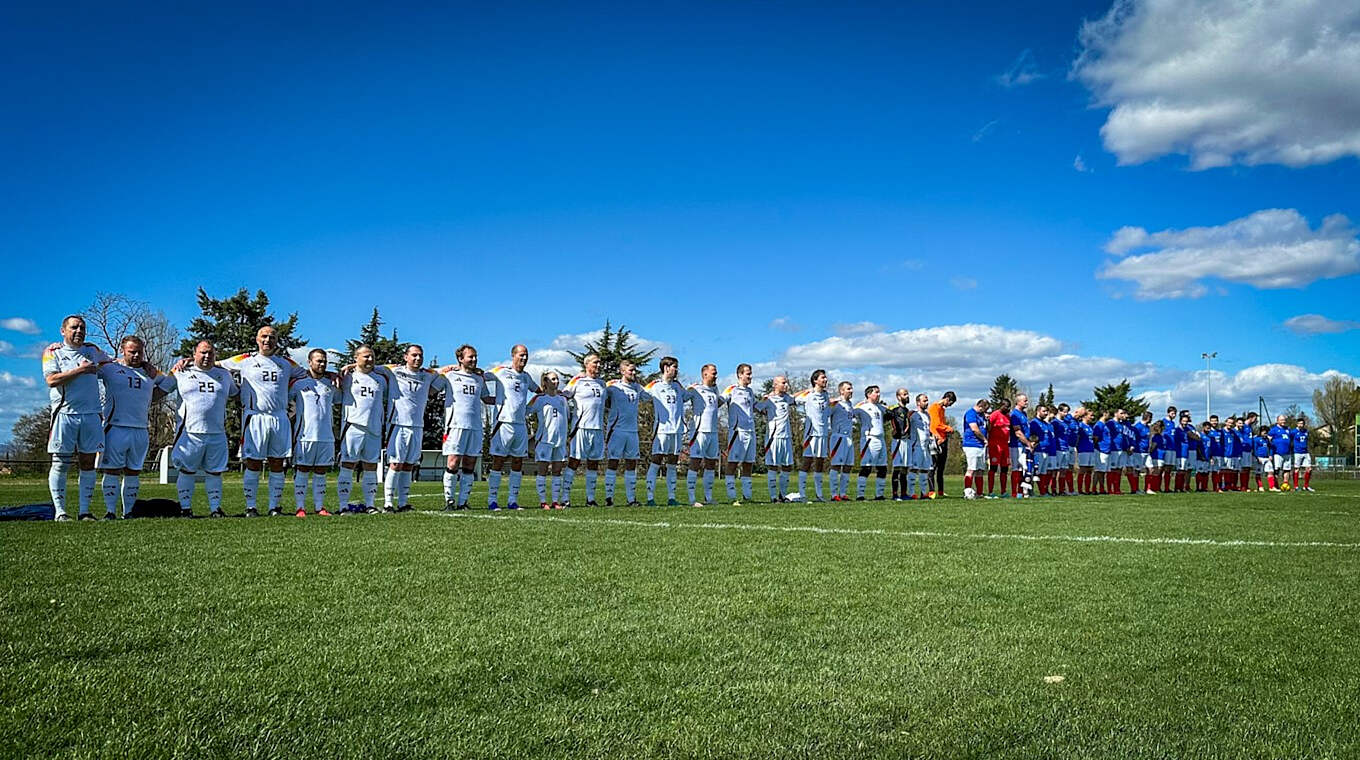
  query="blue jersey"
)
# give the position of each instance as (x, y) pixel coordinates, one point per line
(1182, 440)
(1118, 436)
(1280, 439)
(1084, 443)
(1262, 445)
(1300, 441)
(1059, 431)
(970, 440)
(1203, 446)
(1215, 442)
(1041, 435)
(1019, 424)
(1071, 423)
(1231, 443)
(1143, 435)
(1101, 433)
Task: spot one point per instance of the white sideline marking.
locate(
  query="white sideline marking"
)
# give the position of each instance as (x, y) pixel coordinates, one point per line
(911, 533)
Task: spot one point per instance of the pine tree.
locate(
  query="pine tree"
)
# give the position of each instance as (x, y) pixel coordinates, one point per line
(231, 323)
(385, 350)
(1003, 387)
(1047, 398)
(1109, 398)
(614, 347)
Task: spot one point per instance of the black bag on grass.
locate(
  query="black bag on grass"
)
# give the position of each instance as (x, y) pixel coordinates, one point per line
(154, 508)
(28, 512)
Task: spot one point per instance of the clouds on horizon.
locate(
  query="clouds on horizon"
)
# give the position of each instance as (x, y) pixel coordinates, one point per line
(1316, 324)
(1225, 82)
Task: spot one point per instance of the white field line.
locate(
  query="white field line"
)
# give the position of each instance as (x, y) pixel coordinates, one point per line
(908, 533)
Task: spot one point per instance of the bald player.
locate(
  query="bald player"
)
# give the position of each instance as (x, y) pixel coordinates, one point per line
(201, 443)
(622, 397)
(129, 389)
(365, 394)
(585, 439)
(464, 405)
(414, 385)
(510, 432)
(70, 369)
(778, 407)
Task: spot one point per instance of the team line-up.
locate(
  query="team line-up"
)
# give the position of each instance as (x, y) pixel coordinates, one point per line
(592, 424)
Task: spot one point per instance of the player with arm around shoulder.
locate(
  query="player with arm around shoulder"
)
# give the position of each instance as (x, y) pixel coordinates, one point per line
(585, 438)
(622, 398)
(740, 449)
(70, 369)
(464, 405)
(668, 399)
(129, 388)
(873, 451)
(510, 432)
(365, 397)
(314, 397)
(550, 440)
(412, 387)
(201, 441)
(841, 450)
(704, 446)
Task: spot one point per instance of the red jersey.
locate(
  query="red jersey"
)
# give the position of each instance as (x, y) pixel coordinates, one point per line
(998, 429)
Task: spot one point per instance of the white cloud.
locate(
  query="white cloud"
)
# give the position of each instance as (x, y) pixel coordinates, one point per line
(944, 346)
(1079, 164)
(784, 324)
(846, 329)
(1023, 70)
(963, 283)
(1225, 81)
(1279, 384)
(11, 380)
(1316, 324)
(20, 324)
(6, 348)
(984, 129)
(557, 356)
(1273, 248)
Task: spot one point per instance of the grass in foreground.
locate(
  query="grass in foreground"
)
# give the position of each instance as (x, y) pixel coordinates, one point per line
(683, 632)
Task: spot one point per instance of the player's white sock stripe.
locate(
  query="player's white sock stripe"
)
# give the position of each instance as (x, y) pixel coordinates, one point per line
(1227, 543)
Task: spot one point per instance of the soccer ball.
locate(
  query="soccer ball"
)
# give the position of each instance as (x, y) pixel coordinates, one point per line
(969, 493)
(1285, 486)
(794, 498)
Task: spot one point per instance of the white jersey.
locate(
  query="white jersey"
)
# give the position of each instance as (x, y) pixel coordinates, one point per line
(741, 402)
(80, 394)
(623, 400)
(920, 428)
(778, 411)
(870, 418)
(365, 398)
(512, 394)
(127, 394)
(463, 403)
(842, 418)
(705, 400)
(411, 392)
(314, 399)
(588, 394)
(552, 418)
(203, 395)
(816, 408)
(668, 402)
(263, 381)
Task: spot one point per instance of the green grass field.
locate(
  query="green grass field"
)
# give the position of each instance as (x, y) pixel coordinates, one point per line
(869, 629)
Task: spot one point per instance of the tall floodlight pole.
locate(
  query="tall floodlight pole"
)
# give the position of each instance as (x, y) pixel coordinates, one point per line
(1208, 363)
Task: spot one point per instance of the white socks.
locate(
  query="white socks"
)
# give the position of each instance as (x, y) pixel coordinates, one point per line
(275, 489)
(652, 470)
(132, 485)
(318, 491)
(300, 482)
(184, 488)
(369, 481)
(213, 485)
(466, 480)
(610, 476)
(56, 482)
(86, 481)
(493, 486)
(515, 477)
(708, 484)
(592, 477)
(450, 486)
(343, 484)
(110, 486)
(390, 488)
(250, 485)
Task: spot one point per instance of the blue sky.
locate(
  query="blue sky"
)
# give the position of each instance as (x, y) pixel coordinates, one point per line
(911, 194)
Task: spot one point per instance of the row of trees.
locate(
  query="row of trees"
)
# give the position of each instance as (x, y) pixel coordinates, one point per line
(232, 322)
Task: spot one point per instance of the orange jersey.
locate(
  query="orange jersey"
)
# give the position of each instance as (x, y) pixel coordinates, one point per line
(937, 423)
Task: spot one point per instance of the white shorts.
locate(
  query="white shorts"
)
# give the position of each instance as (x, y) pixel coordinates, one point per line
(780, 452)
(1051, 462)
(704, 446)
(1040, 463)
(463, 442)
(1086, 459)
(510, 439)
(1215, 463)
(623, 444)
(314, 453)
(975, 458)
(76, 434)
(923, 456)
(1071, 457)
(1103, 461)
(1282, 462)
(1303, 461)
(546, 452)
(842, 452)
(901, 453)
(1265, 464)
(359, 445)
(873, 452)
(665, 444)
(266, 436)
(588, 445)
(741, 446)
(1019, 458)
(1202, 465)
(1186, 462)
(200, 453)
(816, 446)
(124, 449)
(1065, 459)
(403, 444)
(1143, 462)
(1246, 462)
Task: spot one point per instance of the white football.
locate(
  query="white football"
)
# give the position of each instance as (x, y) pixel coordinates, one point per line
(794, 497)
(969, 493)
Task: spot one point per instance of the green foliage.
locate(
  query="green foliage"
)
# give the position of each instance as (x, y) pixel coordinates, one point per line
(1337, 403)
(30, 434)
(389, 350)
(1047, 398)
(1003, 387)
(614, 347)
(1109, 398)
(231, 323)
